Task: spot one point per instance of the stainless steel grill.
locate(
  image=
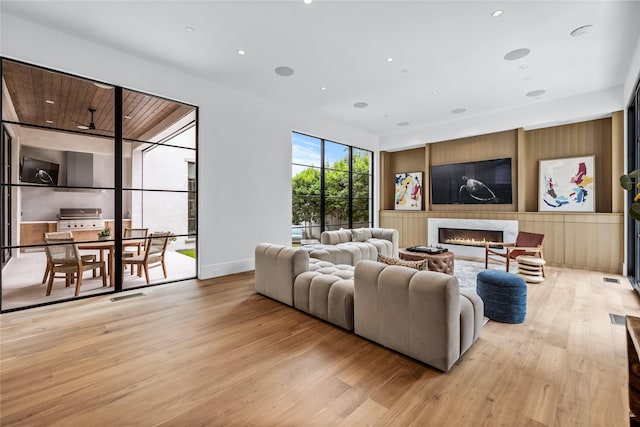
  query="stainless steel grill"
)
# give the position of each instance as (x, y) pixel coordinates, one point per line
(80, 219)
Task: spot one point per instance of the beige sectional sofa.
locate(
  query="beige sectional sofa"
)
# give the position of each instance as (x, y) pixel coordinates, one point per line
(422, 314)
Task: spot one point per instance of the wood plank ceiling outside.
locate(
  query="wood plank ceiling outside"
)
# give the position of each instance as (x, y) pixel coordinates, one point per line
(30, 87)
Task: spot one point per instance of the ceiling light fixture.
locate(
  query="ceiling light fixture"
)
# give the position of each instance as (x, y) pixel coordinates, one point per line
(497, 12)
(434, 92)
(580, 31)
(459, 110)
(536, 92)
(102, 85)
(189, 29)
(49, 121)
(517, 54)
(284, 71)
(403, 124)
(242, 52)
(49, 101)
(127, 117)
(389, 59)
(307, 1)
(323, 88)
(360, 105)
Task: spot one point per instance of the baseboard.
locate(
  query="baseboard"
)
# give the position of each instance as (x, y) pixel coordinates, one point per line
(223, 269)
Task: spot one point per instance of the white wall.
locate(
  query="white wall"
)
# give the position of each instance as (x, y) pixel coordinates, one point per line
(244, 141)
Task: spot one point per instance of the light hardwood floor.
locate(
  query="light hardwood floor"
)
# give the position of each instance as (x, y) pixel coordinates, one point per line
(215, 353)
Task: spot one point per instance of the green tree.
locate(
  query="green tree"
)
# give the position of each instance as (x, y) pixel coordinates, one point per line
(306, 196)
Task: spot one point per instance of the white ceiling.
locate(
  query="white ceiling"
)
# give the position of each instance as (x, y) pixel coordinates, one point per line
(454, 48)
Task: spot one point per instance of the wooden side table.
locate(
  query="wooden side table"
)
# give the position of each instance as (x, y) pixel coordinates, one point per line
(442, 262)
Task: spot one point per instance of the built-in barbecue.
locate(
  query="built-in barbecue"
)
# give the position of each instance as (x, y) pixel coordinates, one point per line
(71, 219)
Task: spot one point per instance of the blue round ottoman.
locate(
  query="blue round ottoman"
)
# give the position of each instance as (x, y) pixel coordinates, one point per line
(504, 295)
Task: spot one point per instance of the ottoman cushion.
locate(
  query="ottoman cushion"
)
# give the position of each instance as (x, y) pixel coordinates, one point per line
(504, 296)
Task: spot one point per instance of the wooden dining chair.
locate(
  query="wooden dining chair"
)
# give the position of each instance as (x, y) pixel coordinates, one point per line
(64, 257)
(62, 236)
(133, 233)
(526, 244)
(153, 256)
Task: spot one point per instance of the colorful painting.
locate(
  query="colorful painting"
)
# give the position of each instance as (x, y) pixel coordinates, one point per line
(567, 185)
(409, 191)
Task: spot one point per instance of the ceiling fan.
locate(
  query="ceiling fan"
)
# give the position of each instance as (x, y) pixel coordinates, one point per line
(91, 125)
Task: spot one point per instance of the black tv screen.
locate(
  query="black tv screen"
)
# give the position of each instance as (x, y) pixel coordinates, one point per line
(39, 172)
(483, 182)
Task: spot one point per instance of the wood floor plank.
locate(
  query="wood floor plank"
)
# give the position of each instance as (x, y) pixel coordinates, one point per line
(215, 353)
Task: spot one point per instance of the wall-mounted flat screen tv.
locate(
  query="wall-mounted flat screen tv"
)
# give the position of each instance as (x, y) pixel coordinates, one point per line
(39, 172)
(483, 182)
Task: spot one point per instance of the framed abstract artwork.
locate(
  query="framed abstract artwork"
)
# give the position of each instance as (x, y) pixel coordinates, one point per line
(567, 185)
(408, 194)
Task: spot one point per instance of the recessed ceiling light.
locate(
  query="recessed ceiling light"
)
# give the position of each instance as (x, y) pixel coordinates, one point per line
(389, 59)
(323, 88)
(127, 117)
(102, 85)
(49, 101)
(83, 127)
(517, 54)
(242, 52)
(284, 71)
(190, 29)
(307, 1)
(49, 121)
(360, 105)
(459, 110)
(580, 31)
(536, 92)
(497, 12)
(403, 124)
(434, 92)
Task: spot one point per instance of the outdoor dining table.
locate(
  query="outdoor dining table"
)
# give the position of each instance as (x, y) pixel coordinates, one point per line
(109, 247)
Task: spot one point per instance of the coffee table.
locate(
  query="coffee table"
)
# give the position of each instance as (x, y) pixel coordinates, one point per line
(442, 262)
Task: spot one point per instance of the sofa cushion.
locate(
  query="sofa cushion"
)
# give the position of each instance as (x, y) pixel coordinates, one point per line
(360, 234)
(418, 265)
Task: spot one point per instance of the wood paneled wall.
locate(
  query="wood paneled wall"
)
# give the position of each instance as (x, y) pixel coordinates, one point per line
(583, 241)
(587, 240)
(578, 139)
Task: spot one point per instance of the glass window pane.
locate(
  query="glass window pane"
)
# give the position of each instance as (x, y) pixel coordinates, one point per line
(148, 209)
(336, 156)
(22, 278)
(361, 161)
(305, 150)
(305, 210)
(153, 119)
(336, 212)
(361, 186)
(306, 182)
(156, 167)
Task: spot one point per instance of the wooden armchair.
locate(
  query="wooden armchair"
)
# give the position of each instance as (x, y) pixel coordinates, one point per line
(154, 251)
(62, 237)
(63, 257)
(526, 244)
(136, 234)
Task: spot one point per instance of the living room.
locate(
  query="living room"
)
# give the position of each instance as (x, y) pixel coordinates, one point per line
(245, 135)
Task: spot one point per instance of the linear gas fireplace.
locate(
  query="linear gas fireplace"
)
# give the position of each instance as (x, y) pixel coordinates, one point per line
(467, 237)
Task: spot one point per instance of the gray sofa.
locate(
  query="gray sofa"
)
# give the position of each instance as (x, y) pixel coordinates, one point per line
(422, 314)
(352, 246)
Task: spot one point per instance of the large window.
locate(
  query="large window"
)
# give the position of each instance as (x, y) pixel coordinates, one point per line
(331, 185)
(90, 169)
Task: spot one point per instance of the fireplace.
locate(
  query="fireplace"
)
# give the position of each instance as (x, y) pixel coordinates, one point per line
(468, 237)
(473, 247)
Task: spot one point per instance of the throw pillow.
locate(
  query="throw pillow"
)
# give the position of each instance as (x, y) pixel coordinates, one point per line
(418, 265)
(359, 235)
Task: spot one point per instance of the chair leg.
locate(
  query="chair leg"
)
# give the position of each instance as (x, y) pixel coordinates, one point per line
(104, 279)
(164, 268)
(78, 283)
(50, 284)
(146, 273)
(46, 273)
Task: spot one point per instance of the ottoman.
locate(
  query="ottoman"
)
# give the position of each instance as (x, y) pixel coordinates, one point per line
(504, 295)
